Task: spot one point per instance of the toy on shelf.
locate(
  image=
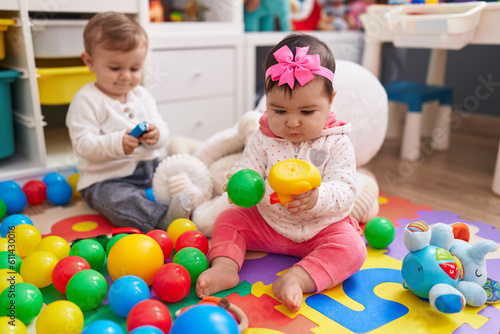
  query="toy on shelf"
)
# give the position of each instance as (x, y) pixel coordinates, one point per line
(292, 177)
(449, 272)
(264, 17)
(176, 11)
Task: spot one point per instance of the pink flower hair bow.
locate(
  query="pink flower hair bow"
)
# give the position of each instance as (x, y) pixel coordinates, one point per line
(301, 68)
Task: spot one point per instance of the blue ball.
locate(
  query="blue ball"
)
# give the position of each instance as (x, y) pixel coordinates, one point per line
(12, 221)
(15, 200)
(125, 293)
(103, 326)
(150, 195)
(9, 185)
(60, 192)
(53, 177)
(205, 319)
(147, 329)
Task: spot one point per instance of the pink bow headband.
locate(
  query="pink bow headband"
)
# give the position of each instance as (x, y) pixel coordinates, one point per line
(301, 68)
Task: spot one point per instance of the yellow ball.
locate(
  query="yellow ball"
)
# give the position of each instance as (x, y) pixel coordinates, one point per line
(135, 254)
(27, 238)
(55, 245)
(37, 268)
(61, 316)
(8, 277)
(6, 326)
(6, 246)
(73, 180)
(179, 226)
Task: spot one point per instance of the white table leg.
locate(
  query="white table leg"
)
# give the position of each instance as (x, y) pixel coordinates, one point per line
(372, 54)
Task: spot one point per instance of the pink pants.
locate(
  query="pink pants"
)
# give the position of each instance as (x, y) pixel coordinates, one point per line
(329, 258)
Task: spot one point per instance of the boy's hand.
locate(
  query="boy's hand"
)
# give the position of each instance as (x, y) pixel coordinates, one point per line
(152, 135)
(129, 143)
(303, 202)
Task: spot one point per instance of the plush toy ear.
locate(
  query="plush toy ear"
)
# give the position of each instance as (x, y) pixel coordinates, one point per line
(416, 236)
(461, 231)
(442, 236)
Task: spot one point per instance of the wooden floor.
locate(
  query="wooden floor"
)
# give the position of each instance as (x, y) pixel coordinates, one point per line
(458, 180)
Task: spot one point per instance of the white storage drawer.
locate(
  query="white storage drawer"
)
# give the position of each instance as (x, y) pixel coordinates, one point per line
(184, 74)
(57, 38)
(198, 119)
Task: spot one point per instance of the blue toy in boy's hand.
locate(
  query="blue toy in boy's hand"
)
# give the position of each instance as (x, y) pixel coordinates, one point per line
(139, 129)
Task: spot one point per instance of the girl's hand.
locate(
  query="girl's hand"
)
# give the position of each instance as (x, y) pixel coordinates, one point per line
(129, 143)
(303, 202)
(152, 135)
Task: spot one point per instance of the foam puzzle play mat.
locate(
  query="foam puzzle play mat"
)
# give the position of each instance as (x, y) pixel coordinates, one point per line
(72, 271)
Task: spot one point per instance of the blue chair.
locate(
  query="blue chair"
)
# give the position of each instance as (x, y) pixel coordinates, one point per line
(414, 95)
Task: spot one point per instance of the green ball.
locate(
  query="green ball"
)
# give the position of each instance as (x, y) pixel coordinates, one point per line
(113, 241)
(87, 289)
(3, 209)
(10, 261)
(91, 250)
(246, 188)
(193, 260)
(379, 232)
(22, 300)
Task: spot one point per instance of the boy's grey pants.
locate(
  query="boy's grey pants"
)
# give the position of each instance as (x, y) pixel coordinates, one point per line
(123, 200)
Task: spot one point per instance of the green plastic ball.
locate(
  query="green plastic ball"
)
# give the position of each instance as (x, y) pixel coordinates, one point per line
(22, 300)
(113, 241)
(10, 261)
(87, 289)
(91, 250)
(246, 188)
(379, 232)
(193, 260)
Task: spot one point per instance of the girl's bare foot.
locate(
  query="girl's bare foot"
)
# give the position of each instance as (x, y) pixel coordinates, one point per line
(291, 286)
(222, 275)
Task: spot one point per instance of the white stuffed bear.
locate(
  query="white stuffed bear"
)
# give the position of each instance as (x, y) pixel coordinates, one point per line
(360, 99)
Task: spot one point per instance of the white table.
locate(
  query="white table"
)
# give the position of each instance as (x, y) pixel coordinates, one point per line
(377, 32)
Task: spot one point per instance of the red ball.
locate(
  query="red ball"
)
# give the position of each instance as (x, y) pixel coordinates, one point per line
(35, 191)
(149, 312)
(164, 240)
(66, 269)
(194, 239)
(171, 282)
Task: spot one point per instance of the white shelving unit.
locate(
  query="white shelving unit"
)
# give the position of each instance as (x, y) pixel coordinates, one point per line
(196, 97)
(193, 69)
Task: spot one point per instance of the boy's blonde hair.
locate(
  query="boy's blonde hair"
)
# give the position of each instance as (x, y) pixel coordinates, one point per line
(113, 31)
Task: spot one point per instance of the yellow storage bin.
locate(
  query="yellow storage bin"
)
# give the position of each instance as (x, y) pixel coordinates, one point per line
(4, 24)
(57, 85)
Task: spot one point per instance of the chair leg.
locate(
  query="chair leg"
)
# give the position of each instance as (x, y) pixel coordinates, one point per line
(410, 147)
(441, 132)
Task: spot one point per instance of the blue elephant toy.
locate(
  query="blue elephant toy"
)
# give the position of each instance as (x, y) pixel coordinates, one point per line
(449, 272)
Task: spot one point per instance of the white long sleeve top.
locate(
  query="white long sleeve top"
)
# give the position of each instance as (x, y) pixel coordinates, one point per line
(332, 153)
(96, 125)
